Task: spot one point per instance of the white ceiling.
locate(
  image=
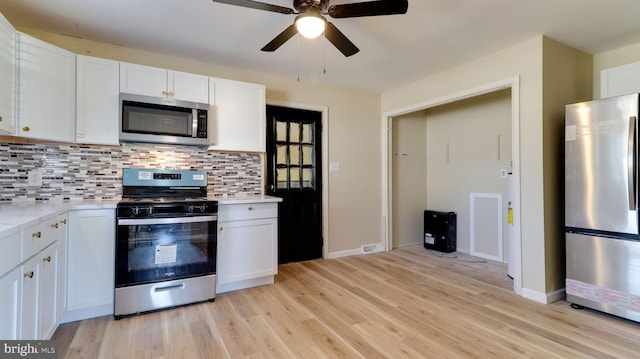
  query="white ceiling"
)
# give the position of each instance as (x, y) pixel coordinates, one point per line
(394, 50)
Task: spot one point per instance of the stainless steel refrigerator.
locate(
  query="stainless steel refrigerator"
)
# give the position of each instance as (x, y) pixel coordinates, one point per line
(601, 205)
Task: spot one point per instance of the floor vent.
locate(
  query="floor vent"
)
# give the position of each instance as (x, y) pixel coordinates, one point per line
(369, 248)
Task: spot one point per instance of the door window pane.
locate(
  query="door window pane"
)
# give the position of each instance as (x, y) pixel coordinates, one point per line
(294, 132)
(281, 178)
(294, 155)
(281, 154)
(307, 132)
(281, 131)
(295, 177)
(306, 155)
(307, 178)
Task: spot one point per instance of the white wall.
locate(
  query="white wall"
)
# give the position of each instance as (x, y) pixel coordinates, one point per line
(463, 156)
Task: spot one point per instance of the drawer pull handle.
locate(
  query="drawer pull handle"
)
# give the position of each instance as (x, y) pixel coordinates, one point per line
(46, 259)
(64, 221)
(55, 225)
(28, 274)
(251, 208)
(36, 235)
(26, 129)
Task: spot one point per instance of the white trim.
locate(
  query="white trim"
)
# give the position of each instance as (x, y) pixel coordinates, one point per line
(472, 234)
(544, 298)
(325, 163)
(514, 84)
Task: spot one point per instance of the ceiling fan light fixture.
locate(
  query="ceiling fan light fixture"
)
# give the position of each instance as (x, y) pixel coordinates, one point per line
(310, 24)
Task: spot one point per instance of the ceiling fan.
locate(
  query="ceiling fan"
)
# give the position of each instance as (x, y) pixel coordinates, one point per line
(311, 23)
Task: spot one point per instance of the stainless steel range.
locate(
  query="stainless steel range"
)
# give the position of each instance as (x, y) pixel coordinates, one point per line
(165, 242)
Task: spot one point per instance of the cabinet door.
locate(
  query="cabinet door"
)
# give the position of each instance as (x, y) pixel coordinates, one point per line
(143, 80)
(97, 91)
(247, 250)
(237, 119)
(10, 304)
(30, 295)
(7, 77)
(62, 267)
(90, 254)
(188, 87)
(47, 83)
(48, 291)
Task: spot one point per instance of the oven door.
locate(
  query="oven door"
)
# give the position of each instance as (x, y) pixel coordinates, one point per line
(159, 249)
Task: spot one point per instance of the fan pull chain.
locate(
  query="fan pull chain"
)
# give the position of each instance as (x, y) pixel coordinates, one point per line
(324, 54)
(298, 58)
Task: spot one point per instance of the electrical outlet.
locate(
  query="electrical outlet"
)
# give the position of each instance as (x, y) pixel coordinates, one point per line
(34, 178)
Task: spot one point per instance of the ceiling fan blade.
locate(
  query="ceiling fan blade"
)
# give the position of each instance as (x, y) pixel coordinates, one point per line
(369, 8)
(258, 5)
(274, 44)
(337, 38)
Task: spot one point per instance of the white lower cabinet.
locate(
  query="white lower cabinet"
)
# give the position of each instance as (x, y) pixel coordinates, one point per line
(90, 264)
(11, 304)
(247, 253)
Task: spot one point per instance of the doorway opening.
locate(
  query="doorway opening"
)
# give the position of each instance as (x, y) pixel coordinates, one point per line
(393, 157)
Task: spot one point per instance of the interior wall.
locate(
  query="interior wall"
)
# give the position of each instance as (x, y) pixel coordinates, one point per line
(468, 151)
(409, 177)
(354, 210)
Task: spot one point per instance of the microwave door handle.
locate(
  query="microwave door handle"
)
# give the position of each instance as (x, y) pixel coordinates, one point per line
(194, 123)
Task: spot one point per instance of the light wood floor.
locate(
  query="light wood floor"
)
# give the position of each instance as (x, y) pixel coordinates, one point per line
(408, 303)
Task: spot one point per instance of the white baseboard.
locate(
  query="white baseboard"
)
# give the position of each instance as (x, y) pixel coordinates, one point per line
(544, 298)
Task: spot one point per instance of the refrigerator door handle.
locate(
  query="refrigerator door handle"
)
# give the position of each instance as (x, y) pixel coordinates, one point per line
(631, 163)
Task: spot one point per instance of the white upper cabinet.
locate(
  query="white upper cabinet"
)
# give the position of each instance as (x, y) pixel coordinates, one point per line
(620, 80)
(237, 120)
(47, 82)
(97, 91)
(7, 77)
(157, 82)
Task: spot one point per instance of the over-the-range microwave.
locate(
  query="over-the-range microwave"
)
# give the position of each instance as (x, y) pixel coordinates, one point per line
(163, 120)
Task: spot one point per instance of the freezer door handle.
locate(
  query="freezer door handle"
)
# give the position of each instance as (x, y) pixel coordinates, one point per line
(631, 163)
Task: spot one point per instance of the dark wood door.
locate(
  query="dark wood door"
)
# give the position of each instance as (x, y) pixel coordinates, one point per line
(294, 173)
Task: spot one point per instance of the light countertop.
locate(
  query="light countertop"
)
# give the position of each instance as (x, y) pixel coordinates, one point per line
(16, 216)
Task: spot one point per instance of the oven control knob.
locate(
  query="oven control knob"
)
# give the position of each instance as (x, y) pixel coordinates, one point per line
(135, 210)
(148, 211)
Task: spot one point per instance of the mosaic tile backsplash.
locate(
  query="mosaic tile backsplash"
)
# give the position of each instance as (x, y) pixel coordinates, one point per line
(77, 172)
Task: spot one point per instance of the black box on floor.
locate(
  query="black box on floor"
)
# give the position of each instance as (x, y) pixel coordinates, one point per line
(440, 231)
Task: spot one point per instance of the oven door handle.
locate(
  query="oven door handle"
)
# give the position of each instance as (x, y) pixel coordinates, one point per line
(172, 220)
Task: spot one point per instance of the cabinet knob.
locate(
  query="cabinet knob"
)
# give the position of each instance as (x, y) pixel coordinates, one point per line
(80, 135)
(55, 225)
(26, 129)
(46, 259)
(36, 235)
(251, 208)
(221, 228)
(28, 274)
(0, 118)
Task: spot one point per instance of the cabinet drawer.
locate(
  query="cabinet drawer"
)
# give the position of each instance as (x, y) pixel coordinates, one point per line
(9, 252)
(235, 212)
(31, 241)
